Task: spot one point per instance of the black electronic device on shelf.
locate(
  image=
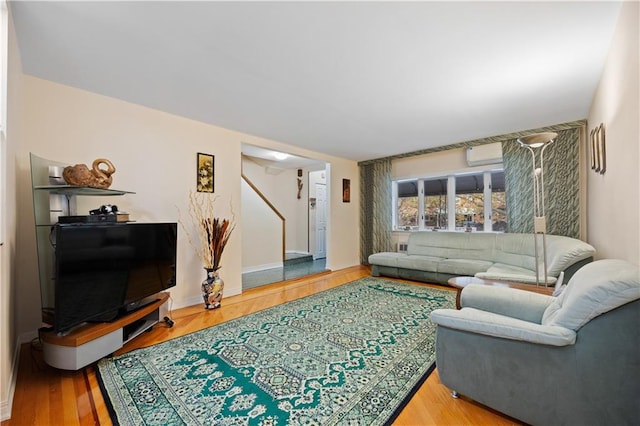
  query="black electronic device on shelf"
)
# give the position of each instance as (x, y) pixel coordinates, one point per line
(89, 218)
(103, 270)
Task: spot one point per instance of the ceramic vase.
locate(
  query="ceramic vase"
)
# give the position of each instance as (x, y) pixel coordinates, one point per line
(212, 288)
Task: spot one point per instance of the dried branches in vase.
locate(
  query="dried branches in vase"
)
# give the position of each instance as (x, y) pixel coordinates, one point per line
(213, 232)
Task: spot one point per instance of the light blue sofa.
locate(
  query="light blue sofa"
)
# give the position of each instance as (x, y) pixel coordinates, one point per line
(437, 256)
(567, 360)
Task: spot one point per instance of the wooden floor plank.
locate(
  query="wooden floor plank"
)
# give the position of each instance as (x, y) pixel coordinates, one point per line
(47, 396)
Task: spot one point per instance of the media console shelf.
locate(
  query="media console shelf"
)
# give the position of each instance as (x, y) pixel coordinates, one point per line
(51, 199)
(70, 259)
(92, 341)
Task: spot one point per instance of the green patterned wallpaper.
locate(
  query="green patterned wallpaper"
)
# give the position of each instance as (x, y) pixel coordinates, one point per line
(561, 182)
(375, 213)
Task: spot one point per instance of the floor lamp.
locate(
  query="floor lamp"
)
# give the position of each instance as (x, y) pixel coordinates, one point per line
(536, 144)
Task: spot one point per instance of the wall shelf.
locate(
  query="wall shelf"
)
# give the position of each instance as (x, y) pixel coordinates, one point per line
(71, 190)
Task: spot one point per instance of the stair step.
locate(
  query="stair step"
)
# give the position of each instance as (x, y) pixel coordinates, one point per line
(293, 258)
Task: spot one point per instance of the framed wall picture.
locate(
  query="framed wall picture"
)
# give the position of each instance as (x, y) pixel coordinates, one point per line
(598, 149)
(346, 190)
(601, 149)
(592, 145)
(205, 175)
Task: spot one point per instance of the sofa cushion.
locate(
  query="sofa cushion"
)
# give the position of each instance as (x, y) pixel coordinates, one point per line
(421, 263)
(594, 289)
(480, 322)
(564, 251)
(386, 259)
(452, 245)
(503, 272)
(515, 250)
(463, 266)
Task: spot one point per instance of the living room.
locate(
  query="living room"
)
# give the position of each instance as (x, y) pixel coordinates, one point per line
(154, 152)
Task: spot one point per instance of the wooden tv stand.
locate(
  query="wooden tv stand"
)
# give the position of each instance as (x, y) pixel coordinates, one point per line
(90, 342)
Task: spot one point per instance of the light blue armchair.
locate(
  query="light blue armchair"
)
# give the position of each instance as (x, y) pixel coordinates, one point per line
(567, 360)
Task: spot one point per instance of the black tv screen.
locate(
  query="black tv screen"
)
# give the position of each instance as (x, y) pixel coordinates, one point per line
(104, 270)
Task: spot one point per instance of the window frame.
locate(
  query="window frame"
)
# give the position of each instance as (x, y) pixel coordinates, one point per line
(451, 199)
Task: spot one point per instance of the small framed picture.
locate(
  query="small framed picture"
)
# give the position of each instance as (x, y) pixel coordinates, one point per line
(594, 152)
(346, 190)
(602, 153)
(205, 171)
(598, 150)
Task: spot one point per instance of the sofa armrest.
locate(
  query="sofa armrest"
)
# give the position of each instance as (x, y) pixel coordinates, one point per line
(514, 303)
(490, 324)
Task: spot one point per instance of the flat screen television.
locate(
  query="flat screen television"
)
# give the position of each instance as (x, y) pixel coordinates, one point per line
(105, 270)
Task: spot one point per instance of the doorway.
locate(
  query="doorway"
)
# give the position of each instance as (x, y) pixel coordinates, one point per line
(288, 253)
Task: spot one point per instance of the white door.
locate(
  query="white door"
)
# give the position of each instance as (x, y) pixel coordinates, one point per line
(321, 221)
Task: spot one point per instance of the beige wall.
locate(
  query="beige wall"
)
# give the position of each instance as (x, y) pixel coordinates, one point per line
(154, 154)
(279, 186)
(434, 164)
(262, 244)
(8, 332)
(613, 209)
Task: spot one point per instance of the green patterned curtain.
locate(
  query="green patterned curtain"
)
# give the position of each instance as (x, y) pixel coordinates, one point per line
(561, 184)
(375, 212)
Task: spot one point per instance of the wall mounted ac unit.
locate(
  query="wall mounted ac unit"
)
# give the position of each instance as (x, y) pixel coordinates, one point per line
(484, 154)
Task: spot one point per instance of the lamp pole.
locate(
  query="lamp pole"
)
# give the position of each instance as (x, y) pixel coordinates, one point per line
(536, 144)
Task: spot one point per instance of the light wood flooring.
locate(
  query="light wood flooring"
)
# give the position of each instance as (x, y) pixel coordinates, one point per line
(47, 396)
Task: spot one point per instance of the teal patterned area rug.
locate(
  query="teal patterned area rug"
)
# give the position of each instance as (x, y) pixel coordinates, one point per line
(352, 355)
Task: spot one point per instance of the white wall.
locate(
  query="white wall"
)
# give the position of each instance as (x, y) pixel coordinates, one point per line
(613, 208)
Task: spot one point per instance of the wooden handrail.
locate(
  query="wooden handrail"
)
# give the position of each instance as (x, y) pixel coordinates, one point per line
(272, 207)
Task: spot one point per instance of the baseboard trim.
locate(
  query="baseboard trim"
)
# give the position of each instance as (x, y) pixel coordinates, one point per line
(7, 405)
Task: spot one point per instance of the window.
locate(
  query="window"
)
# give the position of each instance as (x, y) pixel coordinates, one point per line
(407, 205)
(498, 202)
(435, 204)
(461, 202)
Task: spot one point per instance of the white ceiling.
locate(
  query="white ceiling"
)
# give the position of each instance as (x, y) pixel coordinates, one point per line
(276, 161)
(359, 80)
